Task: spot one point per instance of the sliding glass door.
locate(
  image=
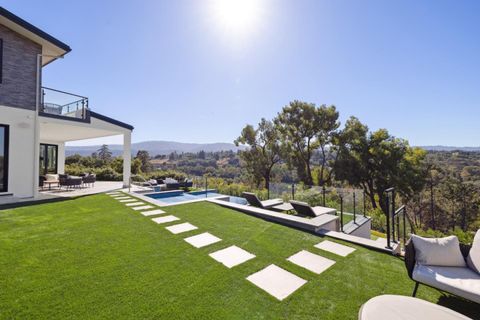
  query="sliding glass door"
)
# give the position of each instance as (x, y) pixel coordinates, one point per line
(48, 158)
(4, 138)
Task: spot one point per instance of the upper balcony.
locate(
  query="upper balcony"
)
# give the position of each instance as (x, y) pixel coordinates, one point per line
(63, 104)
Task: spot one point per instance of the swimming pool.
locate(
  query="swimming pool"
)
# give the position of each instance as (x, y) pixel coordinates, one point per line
(171, 197)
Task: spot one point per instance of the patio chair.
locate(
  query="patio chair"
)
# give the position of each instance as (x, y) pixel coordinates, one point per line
(304, 209)
(89, 179)
(461, 279)
(70, 181)
(254, 201)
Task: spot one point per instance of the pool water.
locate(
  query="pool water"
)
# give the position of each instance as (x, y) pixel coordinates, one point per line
(181, 196)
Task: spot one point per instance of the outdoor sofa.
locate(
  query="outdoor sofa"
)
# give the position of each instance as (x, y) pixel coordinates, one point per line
(254, 201)
(304, 209)
(70, 181)
(445, 264)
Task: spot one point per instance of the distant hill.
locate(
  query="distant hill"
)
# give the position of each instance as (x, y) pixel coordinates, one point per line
(156, 147)
(450, 148)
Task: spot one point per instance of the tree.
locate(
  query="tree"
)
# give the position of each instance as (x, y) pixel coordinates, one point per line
(263, 150)
(328, 130)
(298, 125)
(377, 161)
(104, 153)
(144, 158)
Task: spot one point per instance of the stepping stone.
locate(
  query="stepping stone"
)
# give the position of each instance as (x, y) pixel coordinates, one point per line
(202, 240)
(276, 281)
(142, 208)
(165, 219)
(182, 227)
(152, 212)
(310, 261)
(128, 200)
(232, 256)
(134, 204)
(335, 248)
(121, 198)
(113, 193)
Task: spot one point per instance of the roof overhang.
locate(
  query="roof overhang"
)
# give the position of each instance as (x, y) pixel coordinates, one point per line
(63, 130)
(52, 48)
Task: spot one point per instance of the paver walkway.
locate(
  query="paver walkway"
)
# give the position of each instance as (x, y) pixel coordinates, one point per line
(165, 219)
(310, 261)
(232, 256)
(153, 212)
(276, 281)
(180, 228)
(142, 208)
(134, 204)
(336, 248)
(202, 240)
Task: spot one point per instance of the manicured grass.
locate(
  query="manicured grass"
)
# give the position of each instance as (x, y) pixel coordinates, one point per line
(93, 257)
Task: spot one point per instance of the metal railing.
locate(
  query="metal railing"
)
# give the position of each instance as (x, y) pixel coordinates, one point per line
(61, 103)
(397, 220)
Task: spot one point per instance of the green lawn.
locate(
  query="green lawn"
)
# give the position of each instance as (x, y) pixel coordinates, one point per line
(92, 257)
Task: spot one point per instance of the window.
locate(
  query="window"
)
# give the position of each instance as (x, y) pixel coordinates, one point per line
(1, 60)
(48, 158)
(4, 139)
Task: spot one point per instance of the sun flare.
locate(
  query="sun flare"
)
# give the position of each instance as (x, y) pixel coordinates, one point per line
(237, 16)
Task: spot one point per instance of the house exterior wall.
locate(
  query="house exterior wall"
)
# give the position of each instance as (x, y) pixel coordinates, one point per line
(18, 85)
(21, 164)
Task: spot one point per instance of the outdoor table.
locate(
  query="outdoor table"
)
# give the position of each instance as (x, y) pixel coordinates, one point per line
(393, 307)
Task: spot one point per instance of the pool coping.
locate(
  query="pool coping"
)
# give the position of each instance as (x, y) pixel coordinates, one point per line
(159, 203)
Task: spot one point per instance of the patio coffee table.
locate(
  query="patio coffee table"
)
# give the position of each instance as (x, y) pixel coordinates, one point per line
(393, 307)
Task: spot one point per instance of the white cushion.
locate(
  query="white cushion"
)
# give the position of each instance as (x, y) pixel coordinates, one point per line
(438, 251)
(473, 259)
(51, 177)
(462, 282)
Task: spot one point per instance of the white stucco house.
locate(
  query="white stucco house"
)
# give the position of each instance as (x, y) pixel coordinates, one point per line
(36, 122)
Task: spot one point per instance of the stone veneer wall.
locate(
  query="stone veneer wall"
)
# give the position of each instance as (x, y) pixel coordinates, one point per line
(18, 85)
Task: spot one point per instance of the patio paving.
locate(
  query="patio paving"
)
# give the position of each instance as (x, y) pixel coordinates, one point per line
(135, 204)
(232, 256)
(202, 240)
(180, 228)
(276, 281)
(153, 212)
(336, 248)
(310, 261)
(142, 208)
(165, 219)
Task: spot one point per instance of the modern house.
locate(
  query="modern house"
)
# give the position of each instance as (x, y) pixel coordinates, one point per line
(36, 122)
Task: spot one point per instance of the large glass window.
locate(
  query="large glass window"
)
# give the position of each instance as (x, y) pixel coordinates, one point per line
(4, 158)
(48, 158)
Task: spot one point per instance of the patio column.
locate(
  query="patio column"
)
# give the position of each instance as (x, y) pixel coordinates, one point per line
(127, 158)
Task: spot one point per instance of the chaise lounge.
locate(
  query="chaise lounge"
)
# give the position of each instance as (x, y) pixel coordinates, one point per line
(254, 201)
(304, 209)
(445, 264)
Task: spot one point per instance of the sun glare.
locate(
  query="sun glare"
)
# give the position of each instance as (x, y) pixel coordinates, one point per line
(236, 16)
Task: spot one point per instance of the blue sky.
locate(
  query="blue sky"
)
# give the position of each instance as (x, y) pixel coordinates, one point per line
(177, 72)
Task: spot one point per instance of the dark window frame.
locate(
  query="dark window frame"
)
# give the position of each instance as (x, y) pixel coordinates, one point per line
(6, 148)
(1, 60)
(44, 171)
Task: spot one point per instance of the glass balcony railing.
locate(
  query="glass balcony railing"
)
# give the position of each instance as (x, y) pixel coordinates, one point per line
(61, 103)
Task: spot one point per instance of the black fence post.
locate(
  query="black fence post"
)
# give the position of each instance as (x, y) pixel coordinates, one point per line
(323, 194)
(206, 186)
(393, 214)
(341, 212)
(354, 208)
(293, 191)
(404, 225)
(388, 220)
(364, 204)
